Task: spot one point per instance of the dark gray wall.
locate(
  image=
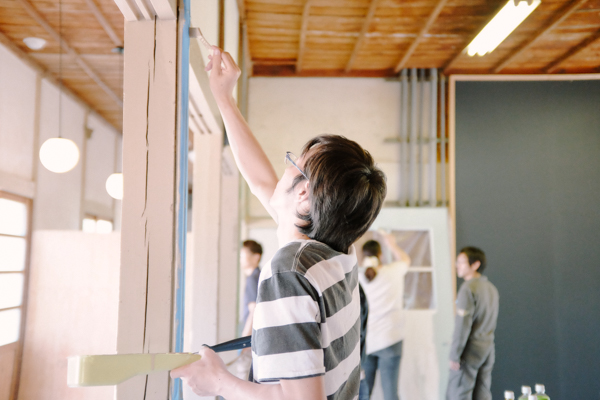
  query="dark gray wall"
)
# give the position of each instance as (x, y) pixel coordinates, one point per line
(528, 194)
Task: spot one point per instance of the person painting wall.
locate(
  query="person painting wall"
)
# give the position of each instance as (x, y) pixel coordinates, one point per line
(306, 326)
(472, 353)
(384, 288)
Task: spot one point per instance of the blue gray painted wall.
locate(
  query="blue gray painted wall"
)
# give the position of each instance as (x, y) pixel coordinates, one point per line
(528, 193)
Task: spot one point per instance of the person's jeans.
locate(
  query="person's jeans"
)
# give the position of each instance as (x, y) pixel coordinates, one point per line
(388, 362)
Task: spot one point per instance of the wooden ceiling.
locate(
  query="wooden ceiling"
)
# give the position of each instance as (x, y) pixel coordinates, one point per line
(90, 30)
(314, 38)
(381, 37)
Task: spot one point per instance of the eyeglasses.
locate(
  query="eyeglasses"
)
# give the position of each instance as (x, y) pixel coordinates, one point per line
(289, 156)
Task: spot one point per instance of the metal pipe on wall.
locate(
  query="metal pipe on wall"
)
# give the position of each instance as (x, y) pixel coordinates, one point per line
(413, 136)
(403, 198)
(443, 138)
(433, 138)
(421, 135)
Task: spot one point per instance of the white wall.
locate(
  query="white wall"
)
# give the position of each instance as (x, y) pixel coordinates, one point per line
(17, 116)
(28, 116)
(284, 113)
(73, 301)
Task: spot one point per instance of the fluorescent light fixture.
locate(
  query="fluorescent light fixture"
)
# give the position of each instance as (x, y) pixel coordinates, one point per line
(507, 19)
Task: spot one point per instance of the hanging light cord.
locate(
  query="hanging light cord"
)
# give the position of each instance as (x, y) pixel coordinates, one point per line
(60, 82)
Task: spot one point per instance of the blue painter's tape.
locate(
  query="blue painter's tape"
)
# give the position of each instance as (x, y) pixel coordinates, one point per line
(176, 390)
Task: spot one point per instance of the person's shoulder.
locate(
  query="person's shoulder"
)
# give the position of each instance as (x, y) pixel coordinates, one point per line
(300, 256)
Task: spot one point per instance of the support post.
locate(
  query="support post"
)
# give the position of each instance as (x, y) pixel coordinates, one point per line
(149, 208)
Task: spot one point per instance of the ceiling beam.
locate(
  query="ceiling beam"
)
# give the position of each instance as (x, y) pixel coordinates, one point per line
(555, 65)
(303, 29)
(63, 43)
(363, 33)
(104, 23)
(430, 20)
(45, 74)
(559, 17)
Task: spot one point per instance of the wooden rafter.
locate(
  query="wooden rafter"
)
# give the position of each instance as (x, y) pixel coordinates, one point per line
(104, 23)
(303, 29)
(63, 43)
(45, 74)
(430, 20)
(363, 33)
(555, 65)
(559, 17)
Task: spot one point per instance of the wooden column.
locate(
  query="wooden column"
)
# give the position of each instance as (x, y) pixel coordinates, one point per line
(149, 202)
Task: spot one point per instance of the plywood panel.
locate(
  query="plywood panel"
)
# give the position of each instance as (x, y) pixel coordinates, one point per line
(72, 310)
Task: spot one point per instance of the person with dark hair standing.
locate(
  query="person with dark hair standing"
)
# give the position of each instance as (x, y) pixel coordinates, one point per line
(384, 287)
(307, 318)
(250, 256)
(472, 353)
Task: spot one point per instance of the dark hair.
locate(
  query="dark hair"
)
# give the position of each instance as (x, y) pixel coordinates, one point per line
(253, 246)
(346, 191)
(371, 248)
(474, 254)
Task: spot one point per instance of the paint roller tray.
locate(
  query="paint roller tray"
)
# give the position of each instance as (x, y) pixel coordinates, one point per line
(104, 370)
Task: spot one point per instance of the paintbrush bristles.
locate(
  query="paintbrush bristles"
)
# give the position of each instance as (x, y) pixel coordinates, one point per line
(197, 33)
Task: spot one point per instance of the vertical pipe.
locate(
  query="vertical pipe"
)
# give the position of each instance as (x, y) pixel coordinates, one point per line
(433, 139)
(404, 139)
(443, 138)
(413, 136)
(421, 139)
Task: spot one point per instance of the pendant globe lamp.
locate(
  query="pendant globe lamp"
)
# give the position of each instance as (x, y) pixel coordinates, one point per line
(58, 154)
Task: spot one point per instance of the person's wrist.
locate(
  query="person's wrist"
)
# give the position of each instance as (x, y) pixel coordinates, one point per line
(225, 100)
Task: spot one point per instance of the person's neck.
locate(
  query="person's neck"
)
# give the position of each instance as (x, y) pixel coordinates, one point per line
(472, 276)
(288, 232)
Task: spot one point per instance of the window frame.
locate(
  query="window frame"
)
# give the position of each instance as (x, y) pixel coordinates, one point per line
(19, 344)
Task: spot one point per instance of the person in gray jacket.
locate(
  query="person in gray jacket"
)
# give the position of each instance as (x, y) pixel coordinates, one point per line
(472, 353)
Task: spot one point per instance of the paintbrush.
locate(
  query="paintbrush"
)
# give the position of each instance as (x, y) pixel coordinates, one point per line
(112, 369)
(197, 33)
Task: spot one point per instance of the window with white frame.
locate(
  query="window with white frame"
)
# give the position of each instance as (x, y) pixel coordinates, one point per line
(93, 224)
(14, 245)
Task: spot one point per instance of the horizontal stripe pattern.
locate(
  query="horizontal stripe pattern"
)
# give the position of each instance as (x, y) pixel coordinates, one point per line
(307, 318)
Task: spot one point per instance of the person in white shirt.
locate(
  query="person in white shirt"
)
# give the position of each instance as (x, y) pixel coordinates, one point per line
(384, 287)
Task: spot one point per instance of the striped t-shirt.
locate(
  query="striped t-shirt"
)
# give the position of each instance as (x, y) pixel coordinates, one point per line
(307, 318)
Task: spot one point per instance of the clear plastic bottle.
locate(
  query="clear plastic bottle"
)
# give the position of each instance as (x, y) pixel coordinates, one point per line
(509, 395)
(540, 392)
(526, 391)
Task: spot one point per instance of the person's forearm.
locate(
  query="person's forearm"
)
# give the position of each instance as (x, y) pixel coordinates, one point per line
(248, 153)
(301, 389)
(400, 254)
(462, 330)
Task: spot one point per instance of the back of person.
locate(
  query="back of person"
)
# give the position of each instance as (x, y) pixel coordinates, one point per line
(298, 335)
(485, 314)
(386, 315)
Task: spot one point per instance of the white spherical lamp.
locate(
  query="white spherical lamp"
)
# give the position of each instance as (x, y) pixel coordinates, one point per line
(59, 155)
(114, 186)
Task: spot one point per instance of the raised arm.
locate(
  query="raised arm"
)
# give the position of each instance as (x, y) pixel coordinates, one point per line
(399, 254)
(249, 155)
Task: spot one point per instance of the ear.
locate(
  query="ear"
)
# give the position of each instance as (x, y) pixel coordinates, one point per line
(475, 266)
(302, 192)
